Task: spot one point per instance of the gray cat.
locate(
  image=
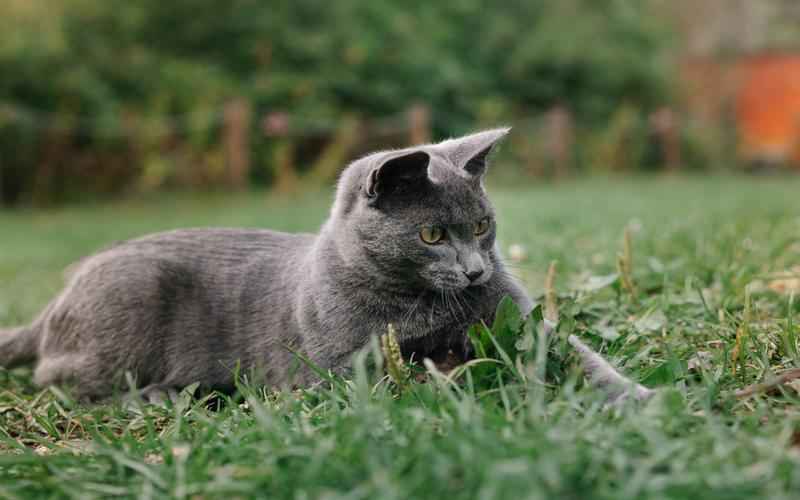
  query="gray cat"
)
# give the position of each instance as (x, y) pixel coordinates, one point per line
(410, 240)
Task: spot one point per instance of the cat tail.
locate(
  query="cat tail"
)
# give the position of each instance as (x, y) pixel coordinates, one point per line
(18, 346)
(605, 377)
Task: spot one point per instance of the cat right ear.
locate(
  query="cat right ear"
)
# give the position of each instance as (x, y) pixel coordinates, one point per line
(401, 171)
(470, 152)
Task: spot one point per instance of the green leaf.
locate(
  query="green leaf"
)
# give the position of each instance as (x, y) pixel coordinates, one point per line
(507, 316)
(665, 374)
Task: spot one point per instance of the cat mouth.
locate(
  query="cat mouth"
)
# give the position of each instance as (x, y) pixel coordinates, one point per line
(443, 282)
(462, 283)
(480, 281)
(452, 286)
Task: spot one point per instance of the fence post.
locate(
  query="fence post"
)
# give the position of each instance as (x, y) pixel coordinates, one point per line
(236, 140)
(419, 124)
(285, 174)
(276, 126)
(560, 135)
(665, 126)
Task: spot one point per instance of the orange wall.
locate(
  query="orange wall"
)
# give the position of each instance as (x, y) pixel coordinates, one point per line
(768, 107)
(762, 91)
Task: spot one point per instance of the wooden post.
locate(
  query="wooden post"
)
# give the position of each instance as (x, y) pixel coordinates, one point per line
(560, 137)
(419, 124)
(3, 200)
(285, 174)
(6, 119)
(276, 126)
(664, 125)
(236, 141)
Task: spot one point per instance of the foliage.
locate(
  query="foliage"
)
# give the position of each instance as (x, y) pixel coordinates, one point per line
(101, 96)
(502, 433)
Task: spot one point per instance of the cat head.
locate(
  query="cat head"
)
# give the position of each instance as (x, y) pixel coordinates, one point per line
(420, 216)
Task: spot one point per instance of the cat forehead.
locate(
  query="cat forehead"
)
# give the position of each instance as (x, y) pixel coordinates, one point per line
(441, 171)
(451, 202)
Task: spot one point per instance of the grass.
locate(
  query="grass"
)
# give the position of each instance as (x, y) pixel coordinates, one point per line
(704, 323)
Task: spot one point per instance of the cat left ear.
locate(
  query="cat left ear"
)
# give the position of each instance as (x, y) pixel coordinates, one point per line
(471, 152)
(400, 170)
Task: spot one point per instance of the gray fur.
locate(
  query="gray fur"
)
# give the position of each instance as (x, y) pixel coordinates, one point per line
(187, 306)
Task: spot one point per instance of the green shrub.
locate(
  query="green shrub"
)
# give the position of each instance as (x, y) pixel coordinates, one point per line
(103, 96)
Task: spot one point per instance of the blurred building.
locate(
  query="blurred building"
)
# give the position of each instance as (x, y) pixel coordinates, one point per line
(741, 65)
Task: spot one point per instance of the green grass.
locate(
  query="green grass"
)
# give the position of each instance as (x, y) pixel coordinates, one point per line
(498, 433)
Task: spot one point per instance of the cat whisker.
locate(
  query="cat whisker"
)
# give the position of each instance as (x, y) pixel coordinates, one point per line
(406, 319)
(446, 302)
(452, 301)
(430, 313)
(462, 305)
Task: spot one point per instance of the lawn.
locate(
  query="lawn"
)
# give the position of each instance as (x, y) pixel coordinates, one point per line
(709, 315)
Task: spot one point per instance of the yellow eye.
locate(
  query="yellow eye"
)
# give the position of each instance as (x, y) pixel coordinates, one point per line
(482, 226)
(431, 234)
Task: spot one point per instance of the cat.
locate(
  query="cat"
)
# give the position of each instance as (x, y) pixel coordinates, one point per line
(410, 241)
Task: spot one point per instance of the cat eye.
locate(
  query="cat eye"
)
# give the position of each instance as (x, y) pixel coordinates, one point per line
(482, 226)
(431, 234)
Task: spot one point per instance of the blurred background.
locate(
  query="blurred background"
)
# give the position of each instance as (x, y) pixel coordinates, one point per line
(103, 99)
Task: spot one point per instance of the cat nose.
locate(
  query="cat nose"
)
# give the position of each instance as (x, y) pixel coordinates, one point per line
(473, 274)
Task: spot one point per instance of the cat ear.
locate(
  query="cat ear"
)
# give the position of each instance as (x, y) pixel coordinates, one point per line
(470, 152)
(402, 169)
